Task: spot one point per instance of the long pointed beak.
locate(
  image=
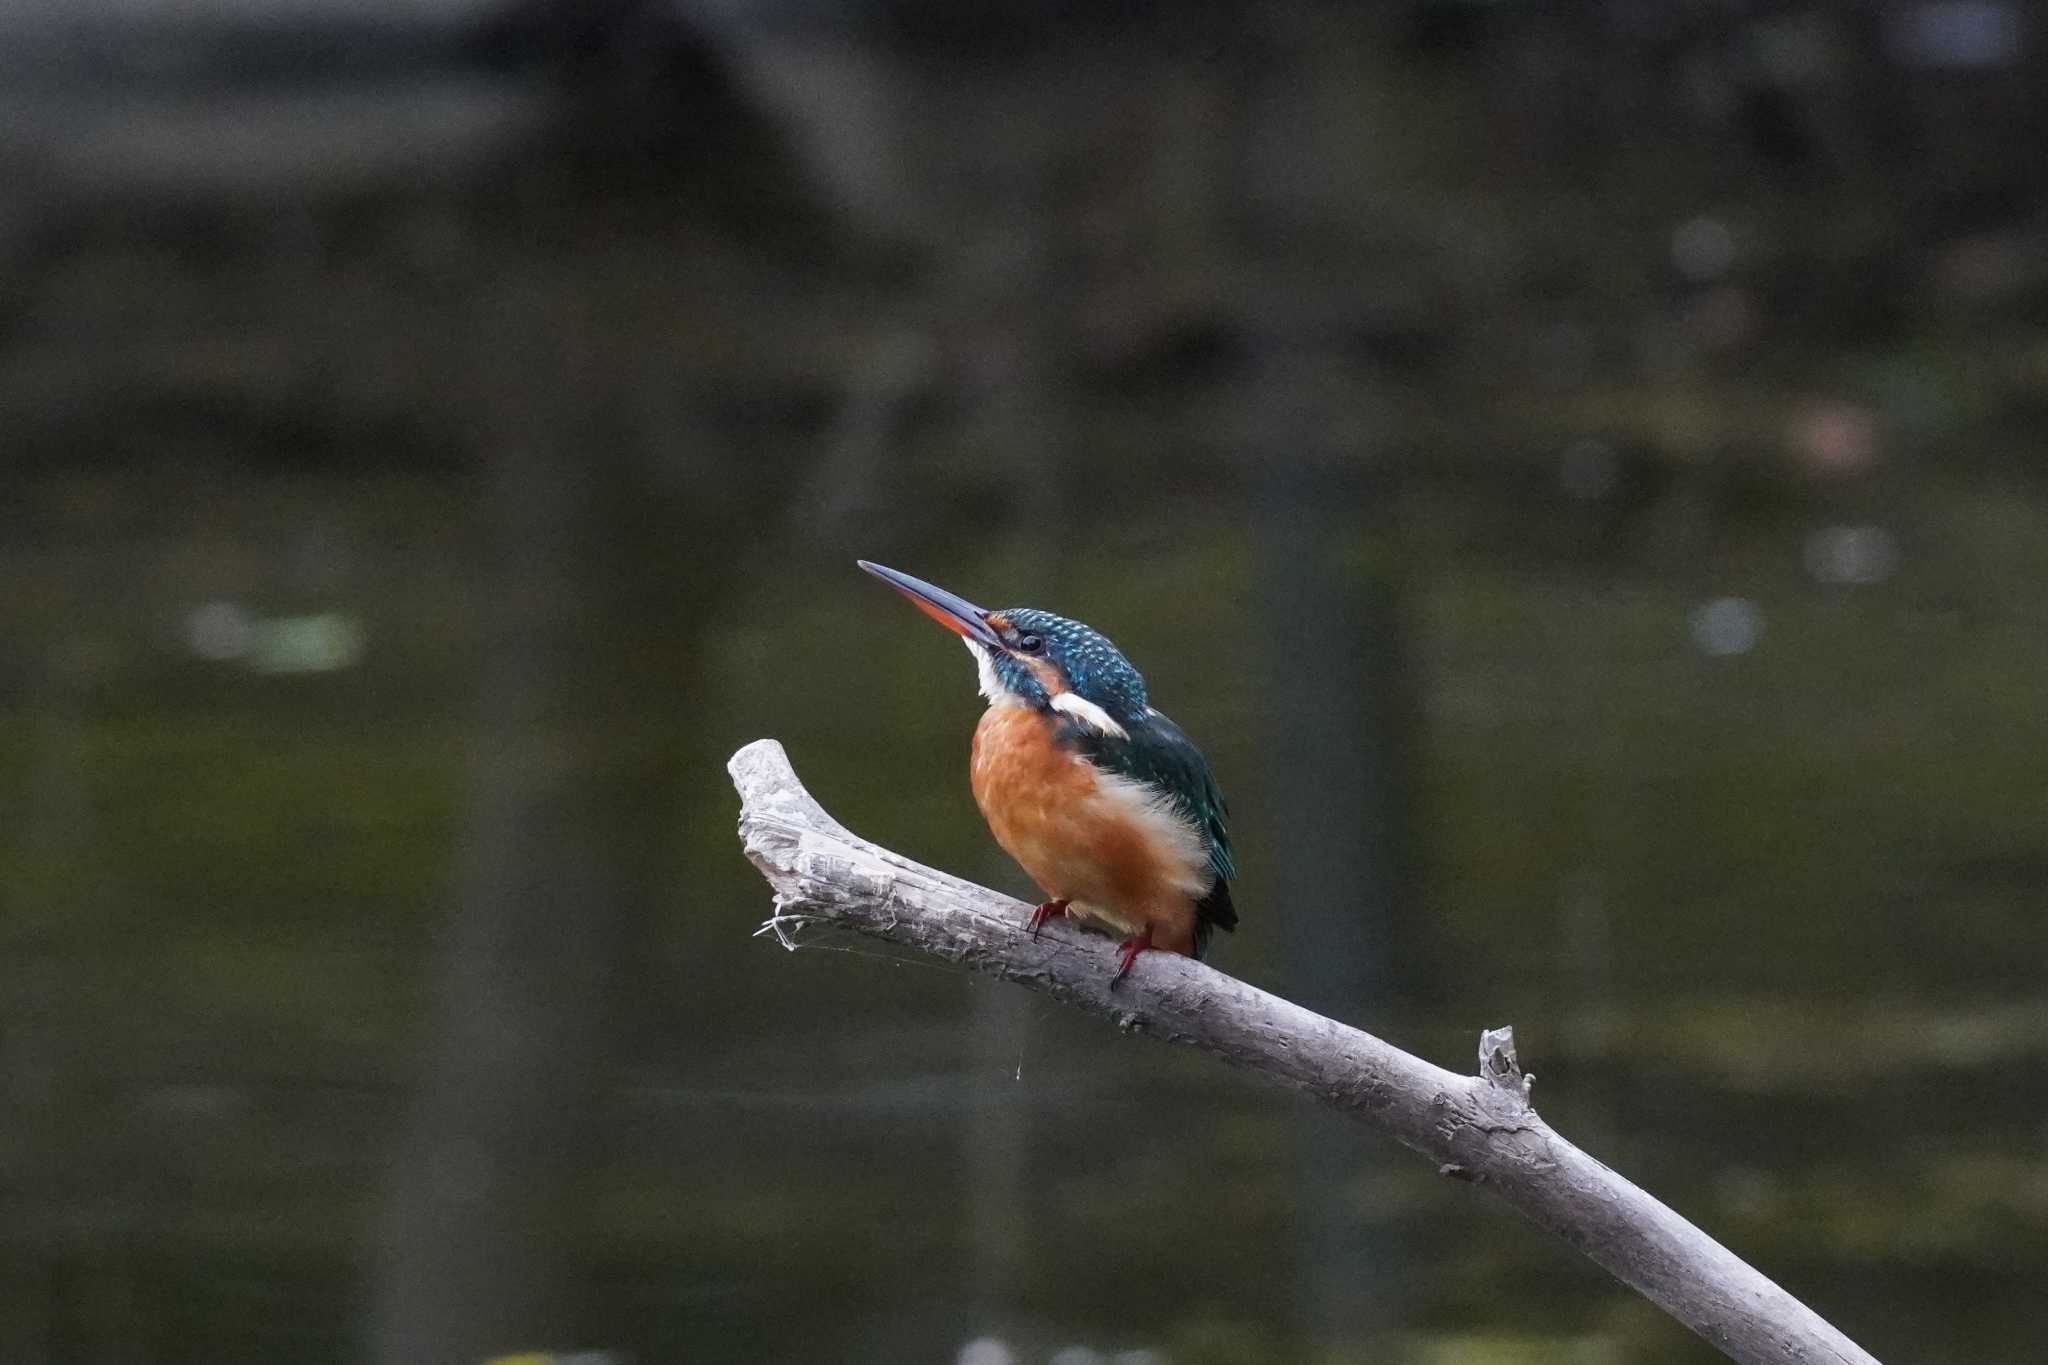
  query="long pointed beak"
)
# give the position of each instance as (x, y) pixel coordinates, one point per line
(956, 614)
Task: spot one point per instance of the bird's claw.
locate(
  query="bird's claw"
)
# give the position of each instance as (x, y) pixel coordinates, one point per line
(1054, 909)
(1127, 954)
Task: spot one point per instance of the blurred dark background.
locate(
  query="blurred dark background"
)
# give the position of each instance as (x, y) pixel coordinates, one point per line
(1577, 467)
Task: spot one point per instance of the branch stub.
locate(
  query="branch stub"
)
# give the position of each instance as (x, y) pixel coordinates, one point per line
(1498, 1065)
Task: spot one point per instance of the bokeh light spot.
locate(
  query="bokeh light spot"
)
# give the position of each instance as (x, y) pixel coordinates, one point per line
(1727, 626)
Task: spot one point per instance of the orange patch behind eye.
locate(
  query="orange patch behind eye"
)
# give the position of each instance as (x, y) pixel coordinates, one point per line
(1048, 677)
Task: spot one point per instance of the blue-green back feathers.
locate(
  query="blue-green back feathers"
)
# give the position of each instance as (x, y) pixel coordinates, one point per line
(1159, 755)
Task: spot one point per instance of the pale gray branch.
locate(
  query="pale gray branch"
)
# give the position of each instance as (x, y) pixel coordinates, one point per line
(1479, 1128)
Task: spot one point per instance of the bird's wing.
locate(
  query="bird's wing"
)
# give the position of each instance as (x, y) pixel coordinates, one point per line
(1159, 755)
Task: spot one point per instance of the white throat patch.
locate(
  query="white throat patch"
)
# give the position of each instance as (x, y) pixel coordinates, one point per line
(985, 675)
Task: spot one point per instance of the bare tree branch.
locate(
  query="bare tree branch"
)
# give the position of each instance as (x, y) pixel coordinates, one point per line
(1477, 1128)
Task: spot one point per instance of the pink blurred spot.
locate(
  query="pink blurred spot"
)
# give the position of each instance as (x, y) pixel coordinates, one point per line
(1833, 437)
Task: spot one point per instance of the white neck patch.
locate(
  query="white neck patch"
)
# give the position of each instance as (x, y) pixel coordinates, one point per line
(1071, 704)
(985, 675)
(1089, 714)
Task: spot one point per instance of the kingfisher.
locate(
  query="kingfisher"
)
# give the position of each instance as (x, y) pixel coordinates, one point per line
(1100, 798)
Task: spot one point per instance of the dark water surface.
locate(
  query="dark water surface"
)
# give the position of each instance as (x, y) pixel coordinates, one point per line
(1770, 953)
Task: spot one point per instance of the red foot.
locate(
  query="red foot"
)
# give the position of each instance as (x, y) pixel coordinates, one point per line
(1049, 910)
(1128, 953)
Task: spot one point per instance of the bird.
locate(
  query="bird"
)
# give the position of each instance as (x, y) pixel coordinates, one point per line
(1102, 800)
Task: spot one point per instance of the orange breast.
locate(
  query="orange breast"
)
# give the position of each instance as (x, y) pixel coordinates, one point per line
(1100, 843)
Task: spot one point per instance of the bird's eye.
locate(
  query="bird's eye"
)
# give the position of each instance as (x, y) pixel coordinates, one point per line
(1028, 643)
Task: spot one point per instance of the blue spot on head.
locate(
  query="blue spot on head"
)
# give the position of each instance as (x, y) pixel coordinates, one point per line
(1085, 658)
